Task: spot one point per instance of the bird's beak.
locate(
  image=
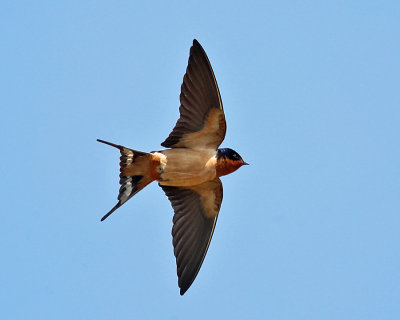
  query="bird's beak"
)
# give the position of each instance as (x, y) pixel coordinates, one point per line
(245, 163)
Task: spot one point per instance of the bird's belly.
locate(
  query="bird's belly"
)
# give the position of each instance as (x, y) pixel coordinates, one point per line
(187, 167)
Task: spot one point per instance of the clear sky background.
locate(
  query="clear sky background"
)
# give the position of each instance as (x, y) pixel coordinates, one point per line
(310, 230)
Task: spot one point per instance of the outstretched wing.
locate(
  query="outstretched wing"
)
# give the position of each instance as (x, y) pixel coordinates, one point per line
(196, 211)
(202, 120)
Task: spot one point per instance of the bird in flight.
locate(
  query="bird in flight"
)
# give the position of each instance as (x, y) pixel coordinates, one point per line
(189, 169)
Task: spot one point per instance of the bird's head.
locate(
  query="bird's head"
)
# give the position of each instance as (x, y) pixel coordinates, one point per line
(228, 161)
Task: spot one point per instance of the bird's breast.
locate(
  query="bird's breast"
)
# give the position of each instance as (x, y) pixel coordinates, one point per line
(187, 167)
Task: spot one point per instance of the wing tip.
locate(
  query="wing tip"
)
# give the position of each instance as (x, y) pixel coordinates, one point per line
(197, 46)
(185, 286)
(182, 291)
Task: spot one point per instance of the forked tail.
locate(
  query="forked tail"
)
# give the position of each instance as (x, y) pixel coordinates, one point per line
(134, 175)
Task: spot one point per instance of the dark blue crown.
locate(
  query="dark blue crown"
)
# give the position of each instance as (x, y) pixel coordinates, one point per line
(228, 153)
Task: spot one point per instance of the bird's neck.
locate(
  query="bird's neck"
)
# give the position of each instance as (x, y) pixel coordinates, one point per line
(226, 166)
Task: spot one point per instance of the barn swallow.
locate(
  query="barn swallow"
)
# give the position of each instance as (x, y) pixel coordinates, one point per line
(189, 170)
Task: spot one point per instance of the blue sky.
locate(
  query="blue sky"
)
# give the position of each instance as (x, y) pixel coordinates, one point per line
(310, 230)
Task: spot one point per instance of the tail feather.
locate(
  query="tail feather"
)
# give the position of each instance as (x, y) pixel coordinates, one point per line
(122, 148)
(130, 184)
(111, 211)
